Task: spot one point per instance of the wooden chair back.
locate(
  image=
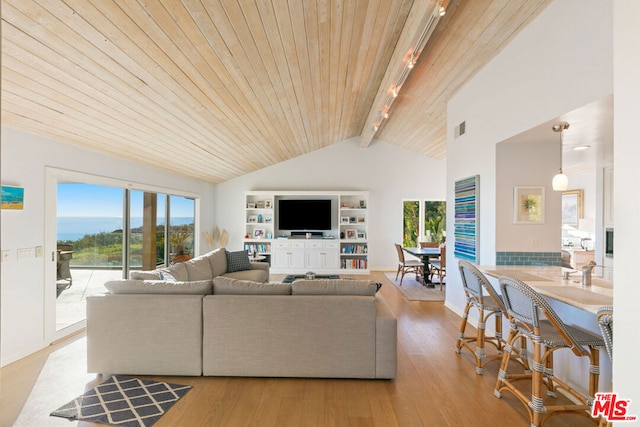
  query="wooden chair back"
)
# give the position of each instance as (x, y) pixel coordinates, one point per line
(429, 244)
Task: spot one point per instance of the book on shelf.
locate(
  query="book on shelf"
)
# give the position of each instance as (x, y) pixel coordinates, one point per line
(355, 264)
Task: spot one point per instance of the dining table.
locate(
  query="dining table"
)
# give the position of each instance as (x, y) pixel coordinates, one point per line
(424, 254)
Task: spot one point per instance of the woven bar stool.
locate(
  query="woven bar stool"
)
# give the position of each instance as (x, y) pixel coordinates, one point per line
(475, 284)
(605, 322)
(540, 324)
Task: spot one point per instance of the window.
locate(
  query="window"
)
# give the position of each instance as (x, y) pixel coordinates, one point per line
(104, 231)
(424, 221)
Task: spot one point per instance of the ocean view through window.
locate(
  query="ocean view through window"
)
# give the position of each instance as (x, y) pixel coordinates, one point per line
(103, 232)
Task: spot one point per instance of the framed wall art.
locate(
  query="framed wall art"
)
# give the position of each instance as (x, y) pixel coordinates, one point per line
(572, 207)
(528, 205)
(466, 220)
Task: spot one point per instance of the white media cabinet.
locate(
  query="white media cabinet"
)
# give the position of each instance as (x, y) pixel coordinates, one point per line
(342, 249)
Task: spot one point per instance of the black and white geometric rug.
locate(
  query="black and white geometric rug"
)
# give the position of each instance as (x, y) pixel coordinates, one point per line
(124, 401)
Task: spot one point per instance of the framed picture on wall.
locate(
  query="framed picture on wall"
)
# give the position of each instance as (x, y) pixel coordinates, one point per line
(528, 205)
(572, 207)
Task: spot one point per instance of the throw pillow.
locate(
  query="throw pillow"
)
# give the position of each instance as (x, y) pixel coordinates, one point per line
(199, 268)
(238, 261)
(228, 286)
(218, 261)
(178, 271)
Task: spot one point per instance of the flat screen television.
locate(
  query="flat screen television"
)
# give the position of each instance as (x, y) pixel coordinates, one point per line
(304, 214)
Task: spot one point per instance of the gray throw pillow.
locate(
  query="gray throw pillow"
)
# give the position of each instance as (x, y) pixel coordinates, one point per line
(238, 261)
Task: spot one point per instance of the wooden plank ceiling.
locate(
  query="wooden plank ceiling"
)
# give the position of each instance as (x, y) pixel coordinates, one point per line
(213, 89)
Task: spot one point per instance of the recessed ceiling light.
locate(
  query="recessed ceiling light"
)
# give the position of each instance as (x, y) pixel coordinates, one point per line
(581, 147)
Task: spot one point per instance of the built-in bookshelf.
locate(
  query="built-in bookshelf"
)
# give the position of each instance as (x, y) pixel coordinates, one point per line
(341, 248)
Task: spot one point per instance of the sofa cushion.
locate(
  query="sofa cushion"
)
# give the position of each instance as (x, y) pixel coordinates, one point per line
(255, 275)
(128, 286)
(218, 261)
(199, 268)
(178, 271)
(334, 287)
(227, 286)
(145, 275)
(238, 261)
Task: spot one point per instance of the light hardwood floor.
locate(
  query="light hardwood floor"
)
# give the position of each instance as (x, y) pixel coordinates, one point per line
(434, 387)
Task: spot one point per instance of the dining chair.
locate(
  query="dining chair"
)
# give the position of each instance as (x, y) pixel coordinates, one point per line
(439, 266)
(429, 244)
(408, 266)
(547, 333)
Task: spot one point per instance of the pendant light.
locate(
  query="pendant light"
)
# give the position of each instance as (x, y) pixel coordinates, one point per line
(560, 181)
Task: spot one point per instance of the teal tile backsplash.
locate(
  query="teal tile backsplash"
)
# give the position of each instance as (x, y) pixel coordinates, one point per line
(528, 258)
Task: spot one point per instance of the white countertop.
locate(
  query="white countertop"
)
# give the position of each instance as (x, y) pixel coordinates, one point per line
(548, 281)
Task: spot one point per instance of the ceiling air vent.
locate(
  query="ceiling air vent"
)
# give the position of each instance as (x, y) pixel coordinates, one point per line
(460, 129)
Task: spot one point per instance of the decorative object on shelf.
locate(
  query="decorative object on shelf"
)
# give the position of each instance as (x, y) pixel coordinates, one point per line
(352, 220)
(360, 219)
(251, 205)
(528, 205)
(252, 218)
(268, 219)
(572, 207)
(344, 220)
(350, 233)
(267, 204)
(363, 204)
(219, 238)
(467, 208)
(260, 218)
(258, 233)
(361, 235)
(260, 205)
(560, 181)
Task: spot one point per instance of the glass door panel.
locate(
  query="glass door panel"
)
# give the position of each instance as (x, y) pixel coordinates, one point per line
(146, 230)
(89, 238)
(181, 228)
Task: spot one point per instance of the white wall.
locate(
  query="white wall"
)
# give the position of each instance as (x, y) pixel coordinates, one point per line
(24, 288)
(561, 61)
(526, 165)
(389, 173)
(626, 293)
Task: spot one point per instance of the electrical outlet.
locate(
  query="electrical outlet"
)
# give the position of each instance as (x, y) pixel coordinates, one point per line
(535, 241)
(39, 251)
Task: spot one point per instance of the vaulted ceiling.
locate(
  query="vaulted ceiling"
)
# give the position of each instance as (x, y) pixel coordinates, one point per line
(214, 89)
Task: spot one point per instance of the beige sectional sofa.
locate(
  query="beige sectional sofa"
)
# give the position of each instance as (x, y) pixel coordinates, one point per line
(231, 327)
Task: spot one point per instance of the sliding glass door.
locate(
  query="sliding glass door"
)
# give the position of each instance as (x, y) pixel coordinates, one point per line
(103, 232)
(89, 251)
